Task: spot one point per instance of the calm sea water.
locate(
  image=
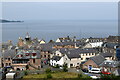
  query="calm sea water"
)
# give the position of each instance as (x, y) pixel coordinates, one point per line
(52, 29)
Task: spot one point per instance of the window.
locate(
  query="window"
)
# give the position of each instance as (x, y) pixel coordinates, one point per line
(44, 55)
(8, 59)
(49, 56)
(9, 64)
(33, 60)
(41, 56)
(34, 54)
(27, 54)
(71, 65)
(6, 64)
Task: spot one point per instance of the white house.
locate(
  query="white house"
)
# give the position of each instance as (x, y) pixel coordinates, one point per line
(57, 60)
(93, 45)
(42, 41)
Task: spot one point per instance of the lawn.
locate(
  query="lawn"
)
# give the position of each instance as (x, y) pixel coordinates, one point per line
(54, 75)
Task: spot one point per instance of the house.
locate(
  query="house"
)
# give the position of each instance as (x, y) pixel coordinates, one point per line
(93, 45)
(66, 39)
(109, 65)
(93, 62)
(92, 40)
(42, 41)
(57, 60)
(66, 56)
(69, 44)
(112, 39)
(110, 48)
(107, 56)
(26, 57)
(87, 53)
(74, 57)
(46, 50)
(7, 58)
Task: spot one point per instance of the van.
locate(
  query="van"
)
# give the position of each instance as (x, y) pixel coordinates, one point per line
(95, 70)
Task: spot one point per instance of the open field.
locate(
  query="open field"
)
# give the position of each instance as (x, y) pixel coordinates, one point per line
(54, 75)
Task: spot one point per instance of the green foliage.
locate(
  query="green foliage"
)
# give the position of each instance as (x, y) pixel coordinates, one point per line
(57, 66)
(108, 77)
(26, 72)
(48, 70)
(80, 76)
(49, 76)
(27, 67)
(65, 68)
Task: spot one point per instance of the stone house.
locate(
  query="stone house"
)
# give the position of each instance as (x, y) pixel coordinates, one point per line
(93, 62)
(7, 58)
(26, 57)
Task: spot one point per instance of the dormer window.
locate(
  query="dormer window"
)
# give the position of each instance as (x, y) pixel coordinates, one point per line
(27, 54)
(34, 54)
(19, 56)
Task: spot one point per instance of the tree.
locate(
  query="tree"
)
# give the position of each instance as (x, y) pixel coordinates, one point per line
(65, 68)
(27, 67)
(48, 70)
(49, 76)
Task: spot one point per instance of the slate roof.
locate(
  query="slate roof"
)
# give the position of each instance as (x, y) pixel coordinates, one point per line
(106, 54)
(110, 45)
(9, 53)
(27, 51)
(75, 53)
(72, 54)
(110, 63)
(56, 58)
(47, 47)
(98, 59)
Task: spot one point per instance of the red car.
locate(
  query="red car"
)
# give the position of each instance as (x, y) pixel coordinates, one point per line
(105, 72)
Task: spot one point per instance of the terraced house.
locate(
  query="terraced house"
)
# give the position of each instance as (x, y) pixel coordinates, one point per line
(27, 57)
(73, 58)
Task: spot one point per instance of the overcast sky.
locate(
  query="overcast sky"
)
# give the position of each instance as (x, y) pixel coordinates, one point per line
(59, 10)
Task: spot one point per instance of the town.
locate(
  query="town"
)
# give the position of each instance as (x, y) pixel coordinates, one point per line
(87, 56)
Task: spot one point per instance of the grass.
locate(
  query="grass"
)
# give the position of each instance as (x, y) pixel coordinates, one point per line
(54, 75)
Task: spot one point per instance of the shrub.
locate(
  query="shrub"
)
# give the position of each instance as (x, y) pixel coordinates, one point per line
(48, 70)
(80, 76)
(49, 76)
(26, 72)
(57, 66)
(27, 67)
(65, 68)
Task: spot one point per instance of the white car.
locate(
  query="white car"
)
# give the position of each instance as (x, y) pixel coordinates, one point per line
(95, 70)
(94, 77)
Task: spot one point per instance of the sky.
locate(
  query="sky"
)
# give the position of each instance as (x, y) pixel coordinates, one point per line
(59, 10)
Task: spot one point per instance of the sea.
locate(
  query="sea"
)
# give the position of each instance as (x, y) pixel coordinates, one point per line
(53, 29)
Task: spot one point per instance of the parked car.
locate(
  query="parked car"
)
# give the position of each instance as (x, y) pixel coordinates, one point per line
(103, 72)
(95, 70)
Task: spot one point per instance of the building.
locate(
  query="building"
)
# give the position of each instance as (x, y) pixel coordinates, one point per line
(93, 62)
(72, 57)
(107, 56)
(7, 57)
(26, 57)
(57, 60)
